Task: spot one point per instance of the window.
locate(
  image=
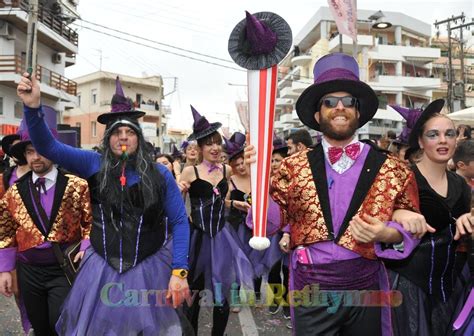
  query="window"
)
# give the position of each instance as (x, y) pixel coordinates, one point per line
(94, 129)
(79, 99)
(94, 96)
(18, 113)
(1, 105)
(78, 124)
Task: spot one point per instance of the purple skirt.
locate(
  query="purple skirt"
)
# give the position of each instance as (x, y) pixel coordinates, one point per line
(104, 302)
(222, 261)
(262, 261)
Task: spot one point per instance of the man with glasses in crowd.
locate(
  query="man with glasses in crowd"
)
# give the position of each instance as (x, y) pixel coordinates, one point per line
(338, 200)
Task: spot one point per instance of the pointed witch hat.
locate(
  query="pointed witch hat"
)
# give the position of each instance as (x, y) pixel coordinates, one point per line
(121, 107)
(202, 127)
(235, 145)
(260, 41)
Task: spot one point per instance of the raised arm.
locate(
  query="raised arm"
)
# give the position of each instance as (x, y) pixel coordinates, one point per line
(81, 162)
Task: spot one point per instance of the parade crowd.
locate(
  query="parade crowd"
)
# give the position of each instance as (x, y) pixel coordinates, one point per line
(366, 238)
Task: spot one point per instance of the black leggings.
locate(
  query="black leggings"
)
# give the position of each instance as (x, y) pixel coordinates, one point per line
(275, 278)
(220, 315)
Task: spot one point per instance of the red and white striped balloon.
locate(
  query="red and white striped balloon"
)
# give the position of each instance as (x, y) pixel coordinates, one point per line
(262, 85)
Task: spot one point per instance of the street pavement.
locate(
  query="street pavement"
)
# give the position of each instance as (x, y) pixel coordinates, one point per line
(248, 322)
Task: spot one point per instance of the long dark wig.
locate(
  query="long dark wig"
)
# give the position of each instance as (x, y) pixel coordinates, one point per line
(151, 187)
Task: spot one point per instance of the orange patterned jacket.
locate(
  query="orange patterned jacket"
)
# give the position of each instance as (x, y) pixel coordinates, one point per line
(70, 219)
(300, 188)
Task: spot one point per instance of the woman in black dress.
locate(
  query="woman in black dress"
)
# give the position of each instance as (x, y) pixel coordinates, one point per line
(434, 278)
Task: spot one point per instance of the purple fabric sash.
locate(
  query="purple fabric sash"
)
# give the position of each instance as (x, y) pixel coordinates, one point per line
(350, 274)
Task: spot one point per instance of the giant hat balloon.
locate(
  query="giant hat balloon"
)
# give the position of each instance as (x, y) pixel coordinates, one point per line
(258, 43)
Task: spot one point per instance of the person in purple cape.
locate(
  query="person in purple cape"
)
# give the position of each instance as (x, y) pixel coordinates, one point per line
(338, 200)
(131, 248)
(217, 260)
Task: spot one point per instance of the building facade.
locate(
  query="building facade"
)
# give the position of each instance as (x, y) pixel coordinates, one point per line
(396, 62)
(57, 46)
(94, 94)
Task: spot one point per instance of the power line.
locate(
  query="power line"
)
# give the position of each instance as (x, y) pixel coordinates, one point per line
(163, 50)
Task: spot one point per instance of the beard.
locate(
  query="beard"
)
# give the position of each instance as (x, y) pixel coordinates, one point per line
(329, 131)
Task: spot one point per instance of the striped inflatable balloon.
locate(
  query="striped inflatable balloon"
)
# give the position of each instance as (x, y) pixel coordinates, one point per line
(262, 85)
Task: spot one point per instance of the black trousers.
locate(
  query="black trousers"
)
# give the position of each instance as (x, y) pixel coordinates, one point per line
(220, 315)
(43, 289)
(341, 321)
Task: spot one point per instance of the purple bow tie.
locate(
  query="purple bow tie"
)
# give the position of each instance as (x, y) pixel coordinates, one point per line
(211, 166)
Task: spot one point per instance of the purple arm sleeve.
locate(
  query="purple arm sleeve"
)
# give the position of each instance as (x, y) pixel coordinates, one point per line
(7, 259)
(409, 244)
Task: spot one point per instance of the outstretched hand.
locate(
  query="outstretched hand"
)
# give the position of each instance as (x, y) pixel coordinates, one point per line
(29, 91)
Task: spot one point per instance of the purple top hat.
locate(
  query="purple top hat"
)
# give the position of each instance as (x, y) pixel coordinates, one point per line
(176, 153)
(18, 149)
(260, 41)
(121, 107)
(332, 73)
(235, 145)
(201, 127)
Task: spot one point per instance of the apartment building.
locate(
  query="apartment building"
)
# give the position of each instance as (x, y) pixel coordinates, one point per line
(94, 94)
(57, 46)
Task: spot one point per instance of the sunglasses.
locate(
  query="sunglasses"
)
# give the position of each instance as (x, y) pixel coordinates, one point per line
(331, 101)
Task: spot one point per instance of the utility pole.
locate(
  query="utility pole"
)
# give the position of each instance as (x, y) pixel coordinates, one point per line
(32, 38)
(461, 56)
(450, 75)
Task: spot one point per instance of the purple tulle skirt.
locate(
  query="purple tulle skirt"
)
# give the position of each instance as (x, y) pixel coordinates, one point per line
(264, 260)
(104, 302)
(222, 261)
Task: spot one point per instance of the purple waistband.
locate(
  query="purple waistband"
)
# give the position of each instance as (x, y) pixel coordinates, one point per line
(351, 274)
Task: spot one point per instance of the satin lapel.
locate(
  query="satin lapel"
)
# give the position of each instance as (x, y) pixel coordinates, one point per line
(61, 183)
(23, 186)
(373, 162)
(318, 169)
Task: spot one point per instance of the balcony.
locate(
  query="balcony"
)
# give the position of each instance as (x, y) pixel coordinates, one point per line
(405, 54)
(347, 45)
(16, 11)
(288, 93)
(289, 118)
(12, 66)
(282, 102)
(301, 60)
(401, 83)
(299, 86)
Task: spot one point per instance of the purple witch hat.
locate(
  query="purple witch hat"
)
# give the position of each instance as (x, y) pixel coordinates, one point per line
(411, 116)
(279, 145)
(332, 73)
(202, 127)
(176, 153)
(18, 150)
(235, 145)
(8, 140)
(121, 107)
(260, 41)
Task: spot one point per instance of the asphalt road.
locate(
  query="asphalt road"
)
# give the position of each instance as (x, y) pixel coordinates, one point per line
(248, 322)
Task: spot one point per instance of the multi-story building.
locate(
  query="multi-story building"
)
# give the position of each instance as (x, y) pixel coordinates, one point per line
(396, 62)
(441, 71)
(57, 46)
(94, 94)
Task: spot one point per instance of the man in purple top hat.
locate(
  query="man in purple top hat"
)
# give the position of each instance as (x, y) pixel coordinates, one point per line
(44, 212)
(338, 200)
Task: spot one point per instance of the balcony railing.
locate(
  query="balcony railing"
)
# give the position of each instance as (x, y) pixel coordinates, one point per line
(46, 17)
(16, 65)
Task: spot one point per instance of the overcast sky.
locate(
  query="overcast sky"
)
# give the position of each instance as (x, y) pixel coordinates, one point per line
(203, 27)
